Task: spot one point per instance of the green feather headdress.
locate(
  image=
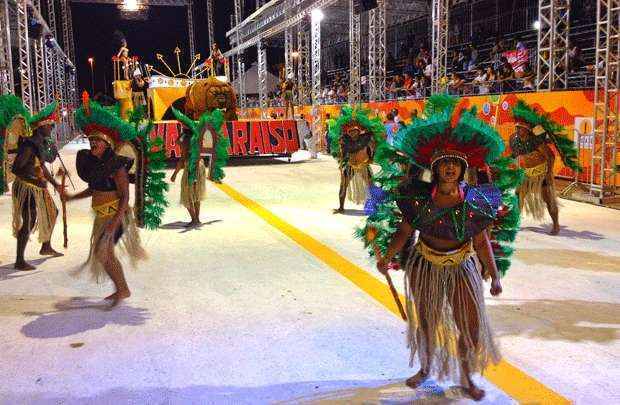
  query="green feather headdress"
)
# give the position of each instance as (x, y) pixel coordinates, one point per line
(215, 119)
(12, 107)
(92, 117)
(415, 144)
(361, 116)
(566, 147)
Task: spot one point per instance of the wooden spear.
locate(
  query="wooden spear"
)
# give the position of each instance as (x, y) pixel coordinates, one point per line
(371, 235)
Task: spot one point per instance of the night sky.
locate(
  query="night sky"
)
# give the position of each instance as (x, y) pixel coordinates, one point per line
(165, 28)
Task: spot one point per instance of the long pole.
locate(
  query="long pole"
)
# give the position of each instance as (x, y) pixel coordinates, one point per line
(92, 76)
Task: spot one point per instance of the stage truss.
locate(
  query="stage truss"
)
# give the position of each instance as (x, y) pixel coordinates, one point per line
(44, 71)
(552, 66)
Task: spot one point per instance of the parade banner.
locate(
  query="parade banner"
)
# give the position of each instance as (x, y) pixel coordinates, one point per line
(574, 109)
(247, 138)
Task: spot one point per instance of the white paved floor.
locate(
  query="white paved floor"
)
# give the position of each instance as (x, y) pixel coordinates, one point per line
(236, 312)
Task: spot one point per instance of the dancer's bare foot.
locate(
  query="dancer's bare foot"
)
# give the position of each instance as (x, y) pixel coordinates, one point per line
(474, 392)
(555, 229)
(193, 224)
(339, 211)
(117, 297)
(23, 266)
(50, 252)
(417, 380)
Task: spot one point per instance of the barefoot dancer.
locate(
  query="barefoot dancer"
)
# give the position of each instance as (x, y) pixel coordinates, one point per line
(192, 192)
(449, 329)
(353, 141)
(530, 145)
(106, 174)
(33, 206)
(193, 183)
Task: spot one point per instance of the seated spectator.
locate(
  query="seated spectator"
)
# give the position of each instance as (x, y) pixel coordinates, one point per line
(455, 85)
(480, 81)
(491, 82)
(506, 75)
(575, 60)
(407, 85)
(428, 70)
(528, 83)
(526, 72)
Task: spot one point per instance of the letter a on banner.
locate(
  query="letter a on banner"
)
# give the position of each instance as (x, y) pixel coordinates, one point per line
(266, 138)
(256, 141)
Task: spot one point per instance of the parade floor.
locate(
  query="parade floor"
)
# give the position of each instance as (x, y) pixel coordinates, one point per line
(272, 300)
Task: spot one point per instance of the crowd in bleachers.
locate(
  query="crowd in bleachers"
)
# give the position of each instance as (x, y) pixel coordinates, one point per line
(479, 62)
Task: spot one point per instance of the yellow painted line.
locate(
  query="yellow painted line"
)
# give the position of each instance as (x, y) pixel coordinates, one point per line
(507, 377)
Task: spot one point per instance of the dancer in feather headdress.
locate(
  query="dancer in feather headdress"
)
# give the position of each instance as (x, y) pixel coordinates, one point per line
(33, 206)
(445, 178)
(530, 145)
(353, 140)
(106, 174)
(194, 181)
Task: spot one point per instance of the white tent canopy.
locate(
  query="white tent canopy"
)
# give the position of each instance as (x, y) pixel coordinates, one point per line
(251, 80)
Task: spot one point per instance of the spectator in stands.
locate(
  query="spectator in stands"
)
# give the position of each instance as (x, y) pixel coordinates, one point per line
(506, 75)
(473, 57)
(575, 60)
(428, 70)
(456, 83)
(480, 82)
(407, 85)
(526, 72)
(459, 62)
(391, 128)
(528, 83)
(491, 82)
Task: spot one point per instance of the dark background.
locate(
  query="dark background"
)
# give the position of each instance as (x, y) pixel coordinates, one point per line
(166, 27)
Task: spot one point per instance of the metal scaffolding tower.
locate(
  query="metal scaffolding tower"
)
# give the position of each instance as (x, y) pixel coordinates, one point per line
(303, 66)
(262, 77)
(210, 25)
(24, 54)
(604, 183)
(39, 65)
(354, 55)
(7, 83)
(315, 52)
(552, 67)
(190, 29)
(440, 44)
(240, 58)
(376, 52)
(289, 46)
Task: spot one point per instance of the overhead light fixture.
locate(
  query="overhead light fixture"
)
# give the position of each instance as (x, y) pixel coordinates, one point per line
(317, 15)
(536, 25)
(130, 5)
(295, 54)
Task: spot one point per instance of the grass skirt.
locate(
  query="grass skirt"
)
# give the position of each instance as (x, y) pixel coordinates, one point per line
(28, 196)
(192, 194)
(127, 240)
(530, 194)
(357, 191)
(441, 295)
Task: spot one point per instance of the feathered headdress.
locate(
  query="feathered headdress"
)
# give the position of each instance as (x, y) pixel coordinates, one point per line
(445, 132)
(350, 118)
(98, 122)
(541, 123)
(215, 119)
